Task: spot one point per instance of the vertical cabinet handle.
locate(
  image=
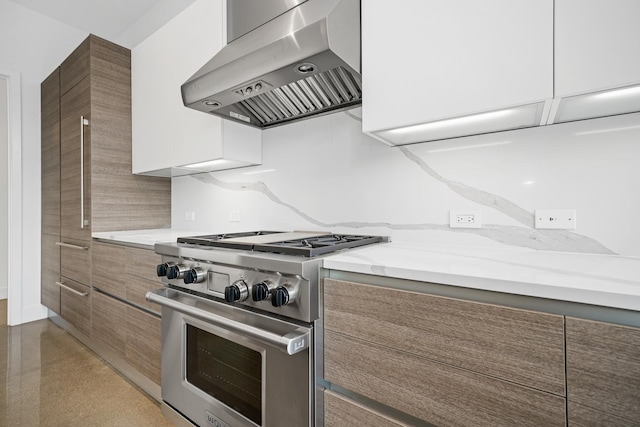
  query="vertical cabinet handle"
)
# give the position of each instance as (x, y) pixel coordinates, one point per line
(83, 122)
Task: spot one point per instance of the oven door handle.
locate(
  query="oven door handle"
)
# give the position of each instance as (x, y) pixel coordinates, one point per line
(291, 343)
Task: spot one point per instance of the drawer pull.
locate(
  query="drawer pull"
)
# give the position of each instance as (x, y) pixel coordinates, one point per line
(62, 285)
(70, 246)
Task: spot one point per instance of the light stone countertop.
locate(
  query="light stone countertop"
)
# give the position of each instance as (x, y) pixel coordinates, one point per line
(605, 280)
(146, 237)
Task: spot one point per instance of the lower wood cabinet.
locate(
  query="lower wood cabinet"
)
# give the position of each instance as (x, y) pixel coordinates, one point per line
(125, 272)
(434, 392)
(340, 411)
(583, 416)
(109, 324)
(520, 346)
(603, 373)
(75, 260)
(130, 332)
(75, 304)
(121, 277)
(445, 361)
(50, 273)
(143, 344)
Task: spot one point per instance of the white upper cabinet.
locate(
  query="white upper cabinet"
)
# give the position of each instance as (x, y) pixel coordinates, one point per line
(168, 138)
(597, 48)
(425, 62)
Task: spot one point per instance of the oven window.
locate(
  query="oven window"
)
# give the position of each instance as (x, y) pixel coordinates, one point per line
(228, 372)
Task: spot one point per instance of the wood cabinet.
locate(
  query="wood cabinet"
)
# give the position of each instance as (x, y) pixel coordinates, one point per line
(75, 305)
(143, 345)
(443, 360)
(343, 412)
(131, 333)
(603, 373)
(425, 61)
(122, 318)
(50, 185)
(109, 321)
(87, 183)
(109, 196)
(75, 162)
(167, 136)
(125, 272)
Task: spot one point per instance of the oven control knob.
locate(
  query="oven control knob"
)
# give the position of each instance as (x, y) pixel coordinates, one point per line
(283, 295)
(238, 291)
(261, 291)
(163, 269)
(195, 275)
(176, 271)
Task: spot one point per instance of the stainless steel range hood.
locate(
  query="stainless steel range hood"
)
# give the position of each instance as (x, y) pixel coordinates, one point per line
(304, 62)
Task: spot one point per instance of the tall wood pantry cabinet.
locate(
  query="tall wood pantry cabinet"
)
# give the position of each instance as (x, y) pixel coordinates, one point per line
(87, 183)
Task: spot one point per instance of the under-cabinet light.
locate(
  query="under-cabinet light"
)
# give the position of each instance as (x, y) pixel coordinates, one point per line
(493, 121)
(598, 104)
(210, 164)
(458, 121)
(618, 93)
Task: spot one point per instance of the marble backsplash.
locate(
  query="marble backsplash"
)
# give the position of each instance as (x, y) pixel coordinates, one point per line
(324, 174)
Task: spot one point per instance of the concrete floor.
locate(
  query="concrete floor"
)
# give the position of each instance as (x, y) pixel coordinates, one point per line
(47, 378)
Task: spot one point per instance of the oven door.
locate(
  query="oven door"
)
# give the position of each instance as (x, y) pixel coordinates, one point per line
(226, 366)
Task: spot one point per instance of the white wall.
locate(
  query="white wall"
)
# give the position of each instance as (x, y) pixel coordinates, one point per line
(4, 183)
(33, 45)
(325, 174)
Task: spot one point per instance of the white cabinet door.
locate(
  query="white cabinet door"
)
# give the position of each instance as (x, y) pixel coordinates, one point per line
(428, 60)
(166, 134)
(597, 45)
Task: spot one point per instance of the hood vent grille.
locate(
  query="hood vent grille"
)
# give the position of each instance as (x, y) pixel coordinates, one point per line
(330, 90)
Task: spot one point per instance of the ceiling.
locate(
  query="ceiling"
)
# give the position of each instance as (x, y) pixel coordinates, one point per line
(126, 22)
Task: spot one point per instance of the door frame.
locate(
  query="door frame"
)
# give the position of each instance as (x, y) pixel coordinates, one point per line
(14, 157)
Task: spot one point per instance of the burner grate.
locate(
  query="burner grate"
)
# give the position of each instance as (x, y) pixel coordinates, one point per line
(307, 246)
(318, 245)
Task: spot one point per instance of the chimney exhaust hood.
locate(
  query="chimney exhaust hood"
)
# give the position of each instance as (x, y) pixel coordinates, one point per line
(302, 63)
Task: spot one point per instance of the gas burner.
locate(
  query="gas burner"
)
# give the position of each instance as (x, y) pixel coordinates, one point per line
(315, 246)
(210, 239)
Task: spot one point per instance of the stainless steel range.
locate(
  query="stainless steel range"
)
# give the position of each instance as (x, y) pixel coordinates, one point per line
(239, 326)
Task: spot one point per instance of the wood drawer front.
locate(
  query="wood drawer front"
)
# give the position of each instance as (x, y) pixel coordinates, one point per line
(603, 367)
(108, 265)
(517, 345)
(75, 264)
(583, 416)
(137, 289)
(109, 325)
(142, 263)
(342, 412)
(50, 273)
(75, 308)
(436, 393)
(143, 342)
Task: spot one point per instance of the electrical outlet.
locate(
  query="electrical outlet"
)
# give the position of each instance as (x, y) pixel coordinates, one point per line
(562, 219)
(465, 219)
(190, 216)
(234, 216)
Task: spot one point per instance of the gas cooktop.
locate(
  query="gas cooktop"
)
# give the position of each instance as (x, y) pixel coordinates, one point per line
(304, 243)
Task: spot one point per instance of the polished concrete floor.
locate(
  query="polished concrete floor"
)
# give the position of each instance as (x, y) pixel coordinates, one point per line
(47, 378)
